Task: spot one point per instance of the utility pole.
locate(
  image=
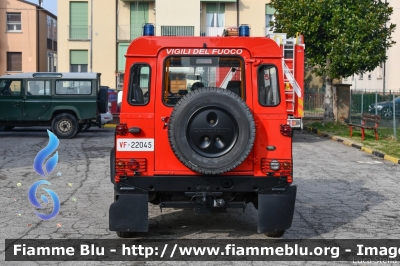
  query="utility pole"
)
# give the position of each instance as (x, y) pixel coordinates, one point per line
(384, 68)
(91, 35)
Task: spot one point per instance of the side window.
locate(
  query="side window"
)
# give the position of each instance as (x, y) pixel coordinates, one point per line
(139, 84)
(68, 87)
(268, 89)
(38, 87)
(10, 87)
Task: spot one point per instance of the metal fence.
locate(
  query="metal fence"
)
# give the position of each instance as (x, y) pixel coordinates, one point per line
(314, 104)
(387, 105)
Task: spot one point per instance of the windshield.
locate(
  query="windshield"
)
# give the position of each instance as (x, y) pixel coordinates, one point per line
(186, 74)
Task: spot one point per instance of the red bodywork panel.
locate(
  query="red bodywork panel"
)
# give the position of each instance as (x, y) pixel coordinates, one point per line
(152, 118)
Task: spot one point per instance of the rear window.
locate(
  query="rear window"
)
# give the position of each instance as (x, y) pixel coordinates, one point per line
(73, 87)
(183, 74)
(268, 89)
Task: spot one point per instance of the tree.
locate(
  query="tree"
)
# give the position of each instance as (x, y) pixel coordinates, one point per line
(342, 37)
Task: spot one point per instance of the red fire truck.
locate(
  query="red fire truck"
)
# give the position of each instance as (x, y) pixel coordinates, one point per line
(206, 123)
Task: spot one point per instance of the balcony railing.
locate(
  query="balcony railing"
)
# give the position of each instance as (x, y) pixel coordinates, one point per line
(129, 32)
(211, 31)
(177, 30)
(79, 33)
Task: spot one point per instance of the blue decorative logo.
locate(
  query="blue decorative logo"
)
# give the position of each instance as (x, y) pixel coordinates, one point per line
(34, 201)
(44, 153)
(44, 170)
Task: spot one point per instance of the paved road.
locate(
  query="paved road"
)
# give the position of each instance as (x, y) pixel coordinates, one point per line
(342, 193)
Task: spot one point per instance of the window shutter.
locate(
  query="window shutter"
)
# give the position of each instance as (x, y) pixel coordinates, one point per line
(79, 14)
(14, 61)
(139, 16)
(214, 8)
(122, 48)
(79, 57)
(269, 10)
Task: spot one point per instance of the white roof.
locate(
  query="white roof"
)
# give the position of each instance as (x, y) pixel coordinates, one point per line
(65, 75)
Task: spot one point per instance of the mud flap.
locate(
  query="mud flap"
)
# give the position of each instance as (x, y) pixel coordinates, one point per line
(275, 211)
(129, 213)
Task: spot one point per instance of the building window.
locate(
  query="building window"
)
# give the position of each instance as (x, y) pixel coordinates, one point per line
(139, 16)
(380, 70)
(79, 61)
(13, 21)
(361, 76)
(177, 31)
(369, 76)
(79, 26)
(14, 61)
(215, 19)
(269, 17)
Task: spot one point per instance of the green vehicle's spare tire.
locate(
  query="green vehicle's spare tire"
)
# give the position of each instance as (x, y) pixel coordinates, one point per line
(102, 100)
(211, 130)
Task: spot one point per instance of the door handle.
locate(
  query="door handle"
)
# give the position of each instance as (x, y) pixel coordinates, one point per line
(45, 105)
(16, 104)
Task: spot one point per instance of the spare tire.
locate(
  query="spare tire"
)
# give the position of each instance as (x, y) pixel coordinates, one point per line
(102, 100)
(211, 130)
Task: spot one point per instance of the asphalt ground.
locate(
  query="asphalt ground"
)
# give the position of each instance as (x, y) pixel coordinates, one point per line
(343, 193)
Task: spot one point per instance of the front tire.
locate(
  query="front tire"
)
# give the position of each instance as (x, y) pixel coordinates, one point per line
(387, 112)
(65, 126)
(275, 234)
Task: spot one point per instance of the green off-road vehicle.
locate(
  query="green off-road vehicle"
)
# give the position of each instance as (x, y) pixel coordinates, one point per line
(65, 101)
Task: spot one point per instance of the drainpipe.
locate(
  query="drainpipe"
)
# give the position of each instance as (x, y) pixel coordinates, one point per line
(37, 40)
(91, 35)
(237, 13)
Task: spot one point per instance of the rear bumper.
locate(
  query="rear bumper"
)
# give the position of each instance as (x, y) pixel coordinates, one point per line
(259, 185)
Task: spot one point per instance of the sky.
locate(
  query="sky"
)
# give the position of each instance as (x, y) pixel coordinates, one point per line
(50, 5)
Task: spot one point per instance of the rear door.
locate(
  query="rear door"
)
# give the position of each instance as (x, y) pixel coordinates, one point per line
(37, 103)
(137, 112)
(216, 71)
(11, 99)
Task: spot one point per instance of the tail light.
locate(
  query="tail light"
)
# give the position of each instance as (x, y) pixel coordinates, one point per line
(121, 129)
(286, 130)
(129, 167)
(277, 168)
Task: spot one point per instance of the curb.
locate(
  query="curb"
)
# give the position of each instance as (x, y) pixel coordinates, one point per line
(354, 145)
(110, 125)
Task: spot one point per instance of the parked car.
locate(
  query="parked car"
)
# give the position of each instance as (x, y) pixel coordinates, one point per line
(64, 101)
(385, 108)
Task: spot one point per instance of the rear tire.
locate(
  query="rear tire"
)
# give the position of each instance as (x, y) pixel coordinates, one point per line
(125, 234)
(275, 234)
(65, 126)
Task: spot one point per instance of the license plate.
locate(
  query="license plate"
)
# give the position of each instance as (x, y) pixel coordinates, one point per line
(135, 144)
